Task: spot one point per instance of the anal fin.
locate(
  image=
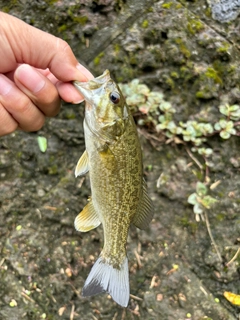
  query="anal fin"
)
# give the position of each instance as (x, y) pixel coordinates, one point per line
(87, 219)
(82, 165)
(145, 211)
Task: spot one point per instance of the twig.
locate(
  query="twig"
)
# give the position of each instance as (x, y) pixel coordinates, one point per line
(72, 312)
(138, 259)
(135, 297)
(211, 236)
(123, 314)
(115, 316)
(2, 262)
(234, 257)
(203, 290)
(193, 158)
(27, 297)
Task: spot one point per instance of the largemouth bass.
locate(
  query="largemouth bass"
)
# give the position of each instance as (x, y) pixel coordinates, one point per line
(119, 196)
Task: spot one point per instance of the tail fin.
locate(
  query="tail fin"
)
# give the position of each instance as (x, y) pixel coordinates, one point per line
(104, 278)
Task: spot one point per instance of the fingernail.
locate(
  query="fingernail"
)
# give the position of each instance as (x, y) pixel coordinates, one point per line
(5, 85)
(30, 78)
(84, 71)
(77, 102)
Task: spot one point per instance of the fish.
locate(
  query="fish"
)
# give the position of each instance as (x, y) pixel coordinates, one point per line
(119, 197)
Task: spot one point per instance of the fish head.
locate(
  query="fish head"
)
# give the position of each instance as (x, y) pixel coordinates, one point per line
(106, 112)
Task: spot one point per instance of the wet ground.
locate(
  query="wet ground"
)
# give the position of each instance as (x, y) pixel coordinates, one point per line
(175, 272)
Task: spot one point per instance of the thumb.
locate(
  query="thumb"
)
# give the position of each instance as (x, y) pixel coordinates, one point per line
(41, 50)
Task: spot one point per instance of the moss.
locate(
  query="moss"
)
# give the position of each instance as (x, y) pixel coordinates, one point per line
(178, 6)
(82, 20)
(213, 74)
(98, 58)
(170, 82)
(145, 24)
(194, 26)
(133, 59)
(62, 28)
(70, 115)
(183, 48)
(200, 95)
(224, 48)
(187, 223)
(5, 9)
(174, 75)
(50, 2)
(167, 5)
(220, 216)
(53, 169)
(19, 155)
(20, 175)
(116, 48)
(119, 79)
(208, 12)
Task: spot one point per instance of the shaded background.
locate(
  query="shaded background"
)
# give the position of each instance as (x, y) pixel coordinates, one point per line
(174, 270)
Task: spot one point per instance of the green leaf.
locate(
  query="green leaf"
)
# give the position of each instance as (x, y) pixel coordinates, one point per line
(223, 123)
(201, 189)
(197, 209)
(42, 143)
(229, 125)
(225, 135)
(166, 107)
(192, 199)
(234, 107)
(143, 89)
(205, 151)
(135, 99)
(157, 97)
(224, 109)
(217, 126)
(208, 201)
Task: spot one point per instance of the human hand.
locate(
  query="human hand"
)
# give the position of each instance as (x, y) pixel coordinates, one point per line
(36, 69)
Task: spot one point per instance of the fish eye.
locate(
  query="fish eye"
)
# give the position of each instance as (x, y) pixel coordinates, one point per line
(114, 97)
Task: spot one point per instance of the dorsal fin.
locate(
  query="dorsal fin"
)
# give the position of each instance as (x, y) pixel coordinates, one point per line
(82, 165)
(87, 219)
(144, 214)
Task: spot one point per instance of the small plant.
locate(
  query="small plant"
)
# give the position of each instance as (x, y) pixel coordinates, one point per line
(225, 128)
(231, 112)
(160, 113)
(201, 200)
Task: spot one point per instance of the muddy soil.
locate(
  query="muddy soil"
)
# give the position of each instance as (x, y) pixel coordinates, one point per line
(175, 47)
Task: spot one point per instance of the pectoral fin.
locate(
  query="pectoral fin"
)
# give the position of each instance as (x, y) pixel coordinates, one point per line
(87, 219)
(82, 165)
(145, 210)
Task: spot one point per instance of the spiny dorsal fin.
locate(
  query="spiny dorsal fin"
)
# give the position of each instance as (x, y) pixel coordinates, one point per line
(87, 219)
(144, 214)
(82, 165)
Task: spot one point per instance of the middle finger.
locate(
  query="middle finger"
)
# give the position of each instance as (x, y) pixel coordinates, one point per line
(38, 88)
(27, 115)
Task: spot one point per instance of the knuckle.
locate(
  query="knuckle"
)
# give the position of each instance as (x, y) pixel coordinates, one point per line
(7, 123)
(63, 45)
(24, 104)
(10, 127)
(38, 123)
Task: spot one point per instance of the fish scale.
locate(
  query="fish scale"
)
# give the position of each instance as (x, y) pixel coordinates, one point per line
(114, 160)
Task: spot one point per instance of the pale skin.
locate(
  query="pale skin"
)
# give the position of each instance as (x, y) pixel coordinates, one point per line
(36, 70)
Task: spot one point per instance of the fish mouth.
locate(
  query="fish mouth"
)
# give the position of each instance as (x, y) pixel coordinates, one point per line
(87, 89)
